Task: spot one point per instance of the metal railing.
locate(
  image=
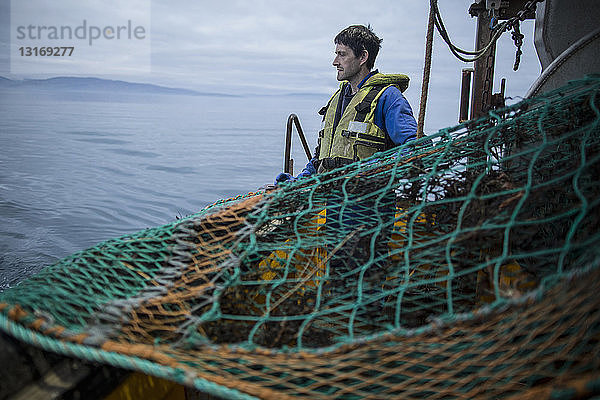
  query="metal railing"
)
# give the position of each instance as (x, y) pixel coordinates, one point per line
(288, 165)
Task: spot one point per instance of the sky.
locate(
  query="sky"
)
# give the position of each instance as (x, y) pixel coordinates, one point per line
(261, 46)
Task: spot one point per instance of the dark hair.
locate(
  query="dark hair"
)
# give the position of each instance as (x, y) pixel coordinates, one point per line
(359, 38)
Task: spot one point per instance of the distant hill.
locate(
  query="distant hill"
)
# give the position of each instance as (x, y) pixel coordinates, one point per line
(98, 85)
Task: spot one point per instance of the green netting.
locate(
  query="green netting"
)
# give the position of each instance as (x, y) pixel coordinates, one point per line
(460, 265)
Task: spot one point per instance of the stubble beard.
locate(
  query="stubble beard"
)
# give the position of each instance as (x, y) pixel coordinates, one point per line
(343, 75)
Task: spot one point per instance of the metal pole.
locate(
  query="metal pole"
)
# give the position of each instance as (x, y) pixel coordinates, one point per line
(483, 80)
(426, 73)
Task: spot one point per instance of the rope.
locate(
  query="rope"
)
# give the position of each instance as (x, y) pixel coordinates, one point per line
(512, 23)
(517, 37)
(426, 73)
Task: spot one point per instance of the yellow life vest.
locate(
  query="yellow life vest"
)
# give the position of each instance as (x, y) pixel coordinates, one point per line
(353, 135)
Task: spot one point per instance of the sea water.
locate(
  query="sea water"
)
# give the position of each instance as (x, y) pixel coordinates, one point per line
(78, 168)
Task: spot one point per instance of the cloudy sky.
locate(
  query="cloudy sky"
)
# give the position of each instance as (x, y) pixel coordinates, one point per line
(265, 46)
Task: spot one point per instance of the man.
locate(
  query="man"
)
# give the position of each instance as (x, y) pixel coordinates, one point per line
(367, 114)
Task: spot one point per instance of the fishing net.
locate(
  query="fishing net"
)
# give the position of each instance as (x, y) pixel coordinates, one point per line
(462, 265)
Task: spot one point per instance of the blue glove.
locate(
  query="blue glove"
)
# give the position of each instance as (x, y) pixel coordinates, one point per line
(284, 177)
(308, 170)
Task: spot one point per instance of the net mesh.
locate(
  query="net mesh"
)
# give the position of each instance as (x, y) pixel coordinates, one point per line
(461, 265)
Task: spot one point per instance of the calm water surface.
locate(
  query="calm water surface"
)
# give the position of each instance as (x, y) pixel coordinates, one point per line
(80, 168)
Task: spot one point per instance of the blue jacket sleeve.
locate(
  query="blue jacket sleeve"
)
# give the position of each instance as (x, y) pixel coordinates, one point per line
(394, 115)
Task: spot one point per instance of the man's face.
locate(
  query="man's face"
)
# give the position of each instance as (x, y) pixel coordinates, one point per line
(347, 64)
